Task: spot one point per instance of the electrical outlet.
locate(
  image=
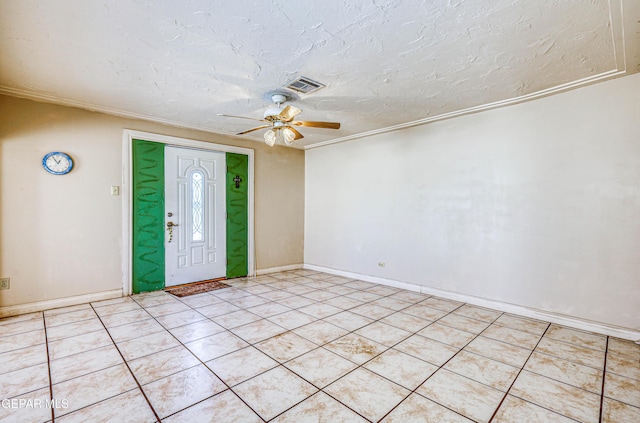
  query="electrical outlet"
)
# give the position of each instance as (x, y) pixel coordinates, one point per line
(5, 283)
(381, 264)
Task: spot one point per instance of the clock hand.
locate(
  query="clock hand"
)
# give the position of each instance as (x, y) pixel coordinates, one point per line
(57, 161)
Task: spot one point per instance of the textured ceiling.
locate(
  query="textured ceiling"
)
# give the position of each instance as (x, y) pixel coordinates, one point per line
(386, 64)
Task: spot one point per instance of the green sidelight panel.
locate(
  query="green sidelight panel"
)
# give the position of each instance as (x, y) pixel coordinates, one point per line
(237, 215)
(148, 216)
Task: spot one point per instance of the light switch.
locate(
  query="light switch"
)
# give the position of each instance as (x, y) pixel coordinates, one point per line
(115, 190)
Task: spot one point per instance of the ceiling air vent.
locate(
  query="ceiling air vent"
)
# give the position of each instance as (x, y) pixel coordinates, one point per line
(304, 85)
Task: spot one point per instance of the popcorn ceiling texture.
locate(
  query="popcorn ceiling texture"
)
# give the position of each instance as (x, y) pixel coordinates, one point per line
(385, 63)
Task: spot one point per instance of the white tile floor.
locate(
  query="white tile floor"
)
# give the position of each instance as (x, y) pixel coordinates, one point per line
(304, 346)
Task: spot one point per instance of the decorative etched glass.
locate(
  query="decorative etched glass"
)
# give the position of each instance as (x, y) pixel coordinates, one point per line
(197, 205)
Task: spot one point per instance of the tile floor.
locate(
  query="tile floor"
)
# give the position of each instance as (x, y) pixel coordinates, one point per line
(304, 346)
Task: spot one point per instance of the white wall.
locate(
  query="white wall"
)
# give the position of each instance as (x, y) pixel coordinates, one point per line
(536, 204)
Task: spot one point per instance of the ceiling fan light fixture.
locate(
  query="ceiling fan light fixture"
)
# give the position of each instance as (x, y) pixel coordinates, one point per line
(288, 135)
(270, 137)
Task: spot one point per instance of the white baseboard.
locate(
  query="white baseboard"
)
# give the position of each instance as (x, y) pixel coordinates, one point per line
(547, 316)
(279, 269)
(15, 310)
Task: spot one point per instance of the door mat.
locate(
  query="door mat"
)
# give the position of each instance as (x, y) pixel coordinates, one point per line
(196, 288)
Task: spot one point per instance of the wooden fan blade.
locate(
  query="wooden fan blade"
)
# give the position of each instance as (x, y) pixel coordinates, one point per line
(298, 134)
(241, 117)
(329, 125)
(288, 113)
(253, 129)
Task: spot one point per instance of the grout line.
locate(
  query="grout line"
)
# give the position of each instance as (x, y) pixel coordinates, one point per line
(46, 342)
(128, 368)
(518, 375)
(604, 375)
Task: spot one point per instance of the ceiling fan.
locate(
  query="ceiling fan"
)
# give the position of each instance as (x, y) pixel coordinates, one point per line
(280, 122)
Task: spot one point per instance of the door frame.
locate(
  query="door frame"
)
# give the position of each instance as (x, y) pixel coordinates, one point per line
(127, 194)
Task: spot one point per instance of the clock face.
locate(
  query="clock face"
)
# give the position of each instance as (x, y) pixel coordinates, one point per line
(57, 163)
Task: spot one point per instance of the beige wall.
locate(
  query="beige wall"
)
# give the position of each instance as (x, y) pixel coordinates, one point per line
(536, 204)
(60, 236)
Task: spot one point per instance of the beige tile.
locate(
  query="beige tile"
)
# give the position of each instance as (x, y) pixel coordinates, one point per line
(622, 389)
(320, 367)
(249, 301)
(418, 409)
(347, 320)
(394, 304)
(572, 352)
(241, 365)
(181, 390)
(623, 347)
(150, 299)
(372, 311)
(66, 310)
(447, 335)
(276, 295)
(273, 392)
(484, 370)
(565, 399)
(340, 289)
(320, 310)
(624, 365)
(364, 296)
(580, 376)
(382, 290)
(21, 318)
(319, 295)
(21, 340)
(406, 321)
(465, 396)
(215, 346)
(223, 407)
(424, 312)
(320, 332)
(355, 348)
(383, 334)
(161, 364)
(167, 308)
(77, 344)
(91, 389)
(319, 408)
(129, 331)
(442, 304)
(70, 317)
(195, 331)
(74, 329)
(515, 410)
(464, 323)
(512, 336)
(218, 309)
(145, 345)
(357, 284)
(268, 309)
(200, 300)
(235, 319)
(291, 319)
(98, 304)
(130, 407)
(296, 302)
(24, 357)
(35, 409)
(478, 313)
(182, 318)
(286, 346)
(403, 369)
(124, 318)
(75, 365)
(344, 303)
(524, 324)
(117, 308)
(427, 349)
(21, 326)
(577, 337)
(499, 351)
(258, 331)
(367, 393)
(24, 380)
(230, 293)
(619, 412)
(409, 296)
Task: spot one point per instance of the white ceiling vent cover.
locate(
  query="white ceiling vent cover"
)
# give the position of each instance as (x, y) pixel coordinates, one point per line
(304, 85)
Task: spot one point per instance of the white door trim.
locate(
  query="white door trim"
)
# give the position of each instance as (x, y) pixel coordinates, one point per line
(126, 192)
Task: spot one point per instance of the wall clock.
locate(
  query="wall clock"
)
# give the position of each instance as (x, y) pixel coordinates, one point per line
(57, 163)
